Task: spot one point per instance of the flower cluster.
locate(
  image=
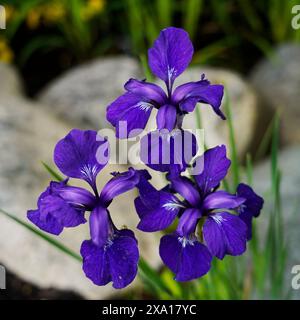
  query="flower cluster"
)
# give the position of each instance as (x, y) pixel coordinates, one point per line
(211, 222)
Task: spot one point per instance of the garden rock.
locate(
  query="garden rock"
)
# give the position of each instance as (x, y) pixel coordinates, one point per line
(82, 94)
(278, 82)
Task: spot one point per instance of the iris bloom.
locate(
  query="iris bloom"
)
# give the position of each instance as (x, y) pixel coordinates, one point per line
(168, 58)
(110, 254)
(211, 222)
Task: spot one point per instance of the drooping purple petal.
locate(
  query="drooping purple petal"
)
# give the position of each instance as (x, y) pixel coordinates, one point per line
(186, 189)
(95, 263)
(129, 115)
(77, 155)
(148, 92)
(55, 213)
(166, 117)
(123, 258)
(161, 214)
(225, 233)
(120, 183)
(250, 208)
(187, 258)
(188, 222)
(171, 54)
(101, 227)
(222, 200)
(116, 261)
(164, 151)
(189, 94)
(215, 167)
(48, 224)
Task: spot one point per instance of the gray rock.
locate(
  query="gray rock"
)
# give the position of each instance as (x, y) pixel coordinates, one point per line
(278, 82)
(82, 94)
(11, 83)
(289, 160)
(29, 134)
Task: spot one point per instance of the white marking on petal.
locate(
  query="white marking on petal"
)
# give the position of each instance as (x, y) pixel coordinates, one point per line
(145, 106)
(173, 205)
(218, 219)
(89, 172)
(185, 241)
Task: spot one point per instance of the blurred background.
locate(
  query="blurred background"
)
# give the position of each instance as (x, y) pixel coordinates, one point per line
(62, 62)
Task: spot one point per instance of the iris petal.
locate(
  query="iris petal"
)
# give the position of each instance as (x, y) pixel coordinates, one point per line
(171, 54)
(81, 154)
(225, 233)
(189, 94)
(129, 114)
(188, 259)
(215, 167)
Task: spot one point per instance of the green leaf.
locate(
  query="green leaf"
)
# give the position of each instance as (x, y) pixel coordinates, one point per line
(52, 172)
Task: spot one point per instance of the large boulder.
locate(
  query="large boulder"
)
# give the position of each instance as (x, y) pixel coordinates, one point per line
(277, 80)
(29, 134)
(82, 94)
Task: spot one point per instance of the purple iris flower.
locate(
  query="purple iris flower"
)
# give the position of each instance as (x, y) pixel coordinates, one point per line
(110, 254)
(211, 221)
(168, 58)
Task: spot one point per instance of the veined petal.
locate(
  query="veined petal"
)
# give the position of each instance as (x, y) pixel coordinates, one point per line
(95, 263)
(129, 114)
(225, 233)
(55, 213)
(148, 92)
(166, 117)
(101, 227)
(189, 94)
(188, 222)
(120, 183)
(171, 54)
(81, 155)
(76, 196)
(123, 258)
(161, 214)
(187, 258)
(186, 189)
(222, 200)
(215, 167)
(115, 261)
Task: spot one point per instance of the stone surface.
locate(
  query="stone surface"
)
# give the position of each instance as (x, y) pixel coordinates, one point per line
(244, 104)
(82, 94)
(278, 82)
(289, 160)
(28, 136)
(10, 81)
